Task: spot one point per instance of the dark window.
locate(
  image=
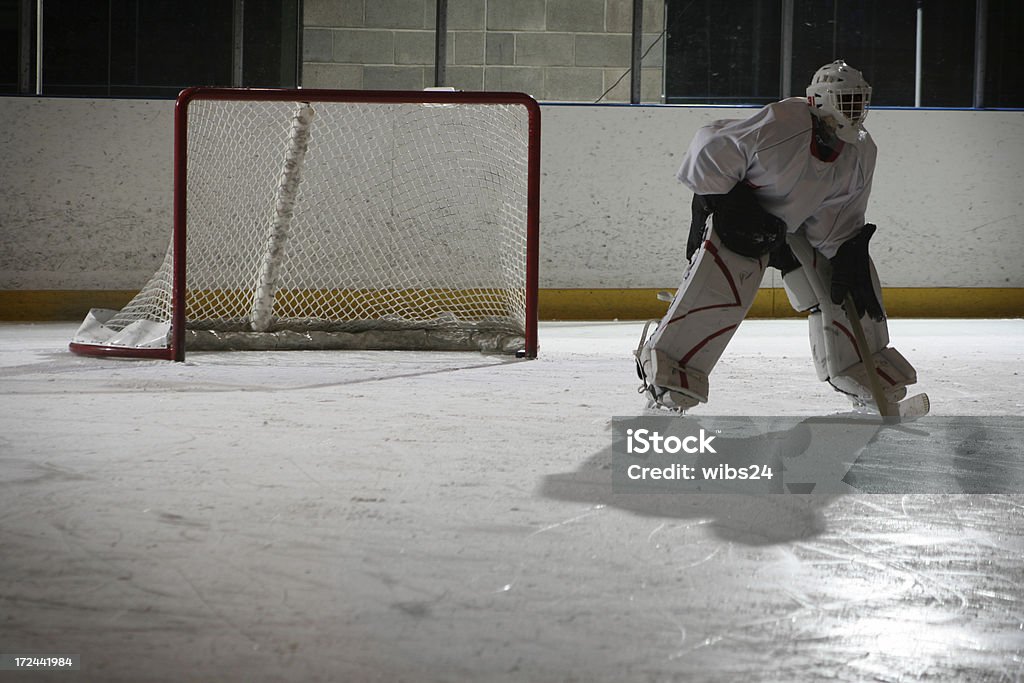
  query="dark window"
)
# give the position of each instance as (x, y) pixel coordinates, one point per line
(271, 43)
(1004, 79)
(729, 51)
(17, 26)
(947, 69)
(145, 48)
(723, 52)
(878, 38)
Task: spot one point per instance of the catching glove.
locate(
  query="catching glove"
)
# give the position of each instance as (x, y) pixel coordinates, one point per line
(741, 223)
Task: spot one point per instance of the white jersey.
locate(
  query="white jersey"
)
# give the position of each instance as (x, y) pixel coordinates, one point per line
(772, 152)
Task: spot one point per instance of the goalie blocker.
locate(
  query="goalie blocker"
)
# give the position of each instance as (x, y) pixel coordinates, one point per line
(716, 293)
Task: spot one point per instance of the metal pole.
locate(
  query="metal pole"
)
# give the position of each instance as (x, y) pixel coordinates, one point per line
(980, 50)
(39, 47)
(299, 10)
(637, 56)
(786, 77)
(918, 52)
(110, 40)
(238, 46)
(440, 43)
(25, 47)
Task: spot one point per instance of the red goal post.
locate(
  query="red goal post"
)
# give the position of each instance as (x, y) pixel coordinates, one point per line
(342, 219)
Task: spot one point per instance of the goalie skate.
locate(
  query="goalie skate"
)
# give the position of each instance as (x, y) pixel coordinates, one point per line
(916, 406)
(673, 398)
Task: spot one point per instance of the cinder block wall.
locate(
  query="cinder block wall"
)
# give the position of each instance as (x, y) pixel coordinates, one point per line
(554, 50)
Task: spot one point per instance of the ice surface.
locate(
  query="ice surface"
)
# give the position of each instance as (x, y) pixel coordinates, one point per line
(383, 516)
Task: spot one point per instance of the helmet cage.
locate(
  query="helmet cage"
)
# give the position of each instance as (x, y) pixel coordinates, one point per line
(840, 92)
(852, 103)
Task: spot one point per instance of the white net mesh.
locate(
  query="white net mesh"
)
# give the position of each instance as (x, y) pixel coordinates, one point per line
(408, 228)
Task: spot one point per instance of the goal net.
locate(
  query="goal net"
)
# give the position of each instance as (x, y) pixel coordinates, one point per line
(314, 219)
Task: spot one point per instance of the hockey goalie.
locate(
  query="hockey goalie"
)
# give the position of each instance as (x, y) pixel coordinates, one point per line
(787, 188)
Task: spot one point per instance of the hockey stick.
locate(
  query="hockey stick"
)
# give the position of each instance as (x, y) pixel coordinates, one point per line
(915, 406)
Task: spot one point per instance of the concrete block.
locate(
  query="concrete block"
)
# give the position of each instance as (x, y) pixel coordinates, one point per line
(501, 48)
(465, 77)
(463, 15)
(654, 16)
(417, 47)
(516, 15)
(603, 49)
(529, 80)
(396, 14)
(544, 49)
(619, 16)
(396, 77)
(363, 46)
(575, 15)
(317, 45)
(619, 85)
(333, 13)
(651, 85)
(466, 15)
(469, 47)
(656, 54)
(335, 76)
(572, 84)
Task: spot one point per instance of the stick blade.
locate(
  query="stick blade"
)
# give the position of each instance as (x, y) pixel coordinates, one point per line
(915, 406)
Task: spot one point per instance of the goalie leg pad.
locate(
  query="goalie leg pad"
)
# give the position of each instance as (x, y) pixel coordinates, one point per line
(833, 345)
(667, 384)
(717, 290)
(894, 371)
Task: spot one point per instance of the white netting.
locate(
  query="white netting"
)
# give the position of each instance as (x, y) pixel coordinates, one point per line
(408, 217)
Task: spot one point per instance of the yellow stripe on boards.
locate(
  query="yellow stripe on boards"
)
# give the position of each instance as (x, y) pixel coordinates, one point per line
(587, 304)
(772, 303)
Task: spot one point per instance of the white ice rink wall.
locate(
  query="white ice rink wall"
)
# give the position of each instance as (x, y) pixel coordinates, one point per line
(85, 207)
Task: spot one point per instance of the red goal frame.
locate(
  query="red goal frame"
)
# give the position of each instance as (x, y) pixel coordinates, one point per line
(175, 351)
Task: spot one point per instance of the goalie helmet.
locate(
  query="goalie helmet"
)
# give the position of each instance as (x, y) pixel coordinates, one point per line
(839, 93)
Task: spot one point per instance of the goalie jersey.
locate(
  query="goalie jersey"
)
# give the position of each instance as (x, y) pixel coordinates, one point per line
(774, 151)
